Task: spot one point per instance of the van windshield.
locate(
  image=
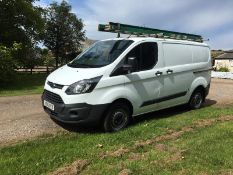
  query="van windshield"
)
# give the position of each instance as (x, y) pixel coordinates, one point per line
(101, 54)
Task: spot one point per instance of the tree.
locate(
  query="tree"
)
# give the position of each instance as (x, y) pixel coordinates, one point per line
(63, 33)
(48, 59)
(32, 57)
(7, 64)
(22, 23)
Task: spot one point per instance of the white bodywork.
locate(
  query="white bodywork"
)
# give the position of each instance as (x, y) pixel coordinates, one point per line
(183, 57)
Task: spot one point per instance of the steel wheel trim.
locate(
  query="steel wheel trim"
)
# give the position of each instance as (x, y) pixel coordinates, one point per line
(197, 100)
(119, 119)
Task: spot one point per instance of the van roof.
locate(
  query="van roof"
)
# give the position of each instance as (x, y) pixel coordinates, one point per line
(138, 39)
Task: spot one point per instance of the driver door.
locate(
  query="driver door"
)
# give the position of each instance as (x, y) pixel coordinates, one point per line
(145, 81)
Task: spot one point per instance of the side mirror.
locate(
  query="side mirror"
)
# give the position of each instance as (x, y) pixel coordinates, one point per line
(131, 65)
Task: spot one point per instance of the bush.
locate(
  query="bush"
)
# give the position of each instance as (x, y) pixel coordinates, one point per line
(223, 69)
(7, 63)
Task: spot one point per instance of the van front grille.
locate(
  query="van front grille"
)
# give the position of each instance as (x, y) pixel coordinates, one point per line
(54, 85)
(52, 97)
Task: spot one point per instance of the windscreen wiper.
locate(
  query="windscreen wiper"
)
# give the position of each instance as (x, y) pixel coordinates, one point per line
(79, 65)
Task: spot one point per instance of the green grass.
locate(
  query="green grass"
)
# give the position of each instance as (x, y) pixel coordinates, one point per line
(204, 150)
(209, 150)
(24, 84)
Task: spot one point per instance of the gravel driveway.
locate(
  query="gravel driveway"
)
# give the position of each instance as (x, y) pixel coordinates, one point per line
(22, 117)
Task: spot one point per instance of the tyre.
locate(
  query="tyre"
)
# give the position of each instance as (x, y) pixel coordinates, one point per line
(117, 117)
(196, 99)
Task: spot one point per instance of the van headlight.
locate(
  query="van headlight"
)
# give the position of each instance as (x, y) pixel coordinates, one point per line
(83, 86)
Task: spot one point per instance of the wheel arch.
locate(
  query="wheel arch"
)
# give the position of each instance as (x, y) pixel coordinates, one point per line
(201, 88)
(124, 101)
(199, 83)
(119, 100)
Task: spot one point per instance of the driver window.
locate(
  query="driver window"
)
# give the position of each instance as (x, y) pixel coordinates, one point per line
(146, 55)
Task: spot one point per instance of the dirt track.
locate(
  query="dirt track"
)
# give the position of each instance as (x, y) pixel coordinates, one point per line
(23, 117)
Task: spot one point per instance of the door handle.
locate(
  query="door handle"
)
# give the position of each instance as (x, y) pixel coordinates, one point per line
(158, 73)
(169, 71)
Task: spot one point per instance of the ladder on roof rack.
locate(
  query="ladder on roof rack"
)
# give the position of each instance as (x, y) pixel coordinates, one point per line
(145, 31)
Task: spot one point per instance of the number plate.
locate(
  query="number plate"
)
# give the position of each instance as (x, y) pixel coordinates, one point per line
(49, 105)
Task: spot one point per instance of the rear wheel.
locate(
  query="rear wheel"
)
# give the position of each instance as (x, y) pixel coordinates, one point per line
(117, 117)
(196, 99)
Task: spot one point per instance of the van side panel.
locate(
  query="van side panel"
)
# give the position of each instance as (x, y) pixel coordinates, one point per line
(177, 54)
(178, 58)
(191, 68)
(200, 54)
(202, 76)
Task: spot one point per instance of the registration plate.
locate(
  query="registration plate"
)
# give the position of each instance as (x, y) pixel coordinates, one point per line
(49, 105)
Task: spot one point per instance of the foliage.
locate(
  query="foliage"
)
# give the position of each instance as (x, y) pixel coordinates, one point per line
(48, 58)
(7, 63)
(21, 22)
(223, 69)
(63, 33)
(206, 149)
(31, 57)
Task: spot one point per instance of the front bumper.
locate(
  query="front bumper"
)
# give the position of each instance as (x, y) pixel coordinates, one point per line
(75, 113)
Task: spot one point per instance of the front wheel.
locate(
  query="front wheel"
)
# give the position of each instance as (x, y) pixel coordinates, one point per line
(196, 99)
(117, 117)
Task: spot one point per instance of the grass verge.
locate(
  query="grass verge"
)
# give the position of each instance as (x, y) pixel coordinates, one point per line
(206, 148)
(24, 84)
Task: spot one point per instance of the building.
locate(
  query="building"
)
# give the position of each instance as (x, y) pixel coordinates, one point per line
(224, 60)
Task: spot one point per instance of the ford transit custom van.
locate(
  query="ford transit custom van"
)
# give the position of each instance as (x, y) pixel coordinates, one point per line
(117, 79)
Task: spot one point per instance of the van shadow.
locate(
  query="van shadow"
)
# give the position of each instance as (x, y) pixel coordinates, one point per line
(79, 128)
(165, 113)
(209, 102)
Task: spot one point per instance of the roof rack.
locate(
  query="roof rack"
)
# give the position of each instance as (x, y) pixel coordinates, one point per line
(145, 31)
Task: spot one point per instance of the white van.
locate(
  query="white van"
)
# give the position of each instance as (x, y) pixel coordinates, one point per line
(117, 79)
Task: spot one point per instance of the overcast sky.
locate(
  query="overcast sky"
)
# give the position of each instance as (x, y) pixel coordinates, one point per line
(213, 19)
